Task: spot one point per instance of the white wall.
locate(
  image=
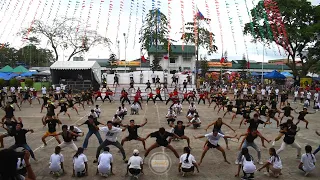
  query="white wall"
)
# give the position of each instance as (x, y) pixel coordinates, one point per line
(165, 64)
(125, 79)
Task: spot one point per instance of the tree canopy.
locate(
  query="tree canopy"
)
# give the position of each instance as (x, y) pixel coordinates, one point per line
(66, 34)
(301, 22)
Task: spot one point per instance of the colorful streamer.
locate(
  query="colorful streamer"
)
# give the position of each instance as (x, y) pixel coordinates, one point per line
(43, 10)
(130, 18)
(50, 10)
(135, 26)
(182, 20)
(219, 20)
(88, 18)
(251, 24)
(10, 16)
(209, 20)
(4, 2)
(109, 14)
(5, 11)
(169, 24)
(99, 15)
(274, 30)
(68, 7)
(153, 11)
(119, 19)
(58, 10)
(241, 25)
(32, 22)
(195, 24)
(80, 19)
(231, 25)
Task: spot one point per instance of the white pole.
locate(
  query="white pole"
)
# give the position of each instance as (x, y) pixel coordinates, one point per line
(125, 52)
(262, 65)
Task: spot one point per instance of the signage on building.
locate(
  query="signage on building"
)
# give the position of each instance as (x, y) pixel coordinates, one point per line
(218, 64)
(128, 63)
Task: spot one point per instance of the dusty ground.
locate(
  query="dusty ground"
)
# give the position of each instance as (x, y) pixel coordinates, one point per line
(213, 166)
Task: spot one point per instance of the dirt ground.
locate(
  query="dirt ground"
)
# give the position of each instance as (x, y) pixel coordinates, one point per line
(213, 166)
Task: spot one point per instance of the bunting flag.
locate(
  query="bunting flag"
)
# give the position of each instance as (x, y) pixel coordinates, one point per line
(169, 24)
(58, 10)
(241, 24)
(67, 10)
(251, 24)
(274, 29)
(14, 22)
(195, 23)
(209, 17)
(182, 20)
(99, 15)
(119, 19)
(50, 11)
(152, 15)
(80, 18)
(135, 25)
(130, 17)
(231, 25)
(77, 5)
(88, 18)
(158, 14)
(34, 18)
(5, 11)
(43, 9)
(4, 2)
(10, 16)
(219, 21)
(265, 17)
(109, 14)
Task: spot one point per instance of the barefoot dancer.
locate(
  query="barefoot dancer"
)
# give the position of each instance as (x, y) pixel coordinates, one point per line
(217, 125)
(213, 139)
(52, 124)
(133, 133)
(301, 116)
(161, 140)
(179, 131)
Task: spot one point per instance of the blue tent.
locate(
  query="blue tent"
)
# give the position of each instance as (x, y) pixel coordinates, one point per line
(3, 75)
(274, 75)
(255, 74)
(27, 74)
(287, 74)
(10, 76)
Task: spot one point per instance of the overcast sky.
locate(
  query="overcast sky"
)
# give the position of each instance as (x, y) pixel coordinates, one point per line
(16, 14)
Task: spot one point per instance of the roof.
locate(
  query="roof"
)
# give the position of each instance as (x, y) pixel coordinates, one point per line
(20, 69)
(7, 68)
(74, 65)
(176, 49)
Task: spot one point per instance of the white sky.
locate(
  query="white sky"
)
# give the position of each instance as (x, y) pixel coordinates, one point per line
(18, 14)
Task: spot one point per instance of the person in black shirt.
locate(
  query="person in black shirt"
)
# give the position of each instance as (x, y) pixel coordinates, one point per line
(52, 131)
(148, 86)
(179, 131)
(78, 101)
(245, 115)
(9, 109)
(131, 86)
(45, 102)
(254, 124)
(282, 98)
(301, 116)
(229, 109)
(93, 129)
(115, 80)
(67, 136)
(184, 85)
(133, 133)
(26, 97)
(71, 104)
(10, 127)
(14, 100)
(238, 111)
(64, 108)
(50, 110)
(284, 127)
(289, 139)
(271, 115)
(262, 110)
(287, 112)
(20, 139)
(161, 140)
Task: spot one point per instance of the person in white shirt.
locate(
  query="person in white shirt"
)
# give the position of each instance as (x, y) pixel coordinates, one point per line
(245, 92)
(213, 140)
(153, 77)
(58, 89)
(301, 96)
(274, 164)
(315, 98)
(12, 89)
(44, 90)
(93, 114)
(111, 134)
(187, 162)
(105, 161)
(135, 164)
(131, 76)
(295, 95)
(192, 108)
(309, 96)
(124, 110)
(223, 90)
(171, 116)
(80, 164)
(247, 165)
(135, 108)
(196, 122)
(235, 93)
(263, 93)
(277, 94)
(120, 112)
(177, 107)
(97, 110)
(56, 162)
(76, 130)
(308, 161)
(116, 120)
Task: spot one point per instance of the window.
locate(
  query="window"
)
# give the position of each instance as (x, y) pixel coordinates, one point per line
(172, 60)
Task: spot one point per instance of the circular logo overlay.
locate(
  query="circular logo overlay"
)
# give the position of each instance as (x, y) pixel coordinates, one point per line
(159, 163)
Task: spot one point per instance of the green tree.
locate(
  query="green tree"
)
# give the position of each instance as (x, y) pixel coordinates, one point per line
(204, 36)
(65, 34)
(8, 55)
(301, 21)
(155, 34)
(204, 66)
(113, 61)
(34, 56)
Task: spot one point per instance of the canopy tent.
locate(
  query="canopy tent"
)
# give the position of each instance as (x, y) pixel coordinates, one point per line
(20, 69)
(255, 74)
(274, 75)
(10, 76)
(43, 73)
(287, 74)
(28, 74)
(7, 69)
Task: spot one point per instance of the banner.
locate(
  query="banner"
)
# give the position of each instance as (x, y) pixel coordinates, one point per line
(304, 82)
(128, 63)
(218, 64)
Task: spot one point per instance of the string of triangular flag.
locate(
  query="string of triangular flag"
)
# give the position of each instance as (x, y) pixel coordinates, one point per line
(32, 22)
(241, 25)
(135, 25)
(57, 11)
(50, 11)
(109, 14)
(5, 11)
(75, 10)
(182, 21)
(99, 15)
(130, 19)
(88, 19)
(143, 59)
(67, 9)
(231, 25)
(3, 3)
(4, 27)
(169, 24)
(43, 10)
(251, 24)
(195, 23)
(119, 19)
(209, 22)
(153, 6)
(83, 5)
(220, 24)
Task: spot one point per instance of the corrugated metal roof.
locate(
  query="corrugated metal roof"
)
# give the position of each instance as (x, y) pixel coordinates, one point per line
(74, 65)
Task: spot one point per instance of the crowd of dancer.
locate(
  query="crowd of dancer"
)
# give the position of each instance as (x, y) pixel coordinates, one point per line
(245, 101)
